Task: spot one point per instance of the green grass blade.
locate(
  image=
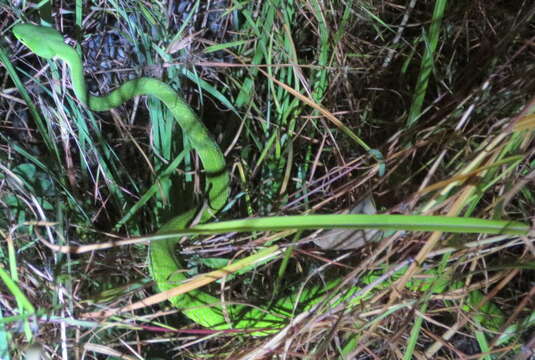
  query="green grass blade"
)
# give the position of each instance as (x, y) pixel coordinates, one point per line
(426, 65)
(483, 344)
(381, 222)
(263, 33)
(22, 301)
(151, 191)
(209, 89)
(415, 334)
(218, 47)
(436, 288)
(41, 126)
(4, 340)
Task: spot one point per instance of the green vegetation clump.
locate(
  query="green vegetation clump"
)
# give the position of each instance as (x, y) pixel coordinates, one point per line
(422, 112)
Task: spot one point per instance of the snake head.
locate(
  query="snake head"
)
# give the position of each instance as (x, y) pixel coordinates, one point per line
(39, 39)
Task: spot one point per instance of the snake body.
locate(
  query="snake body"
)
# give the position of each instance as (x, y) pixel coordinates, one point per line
(165, 267)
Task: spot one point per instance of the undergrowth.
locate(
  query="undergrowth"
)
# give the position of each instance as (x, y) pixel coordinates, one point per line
(316, 105)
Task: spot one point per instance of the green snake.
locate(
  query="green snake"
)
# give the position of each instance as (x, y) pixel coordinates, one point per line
(201, 307)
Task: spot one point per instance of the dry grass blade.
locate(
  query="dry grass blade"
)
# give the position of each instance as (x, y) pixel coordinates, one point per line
(192, 284)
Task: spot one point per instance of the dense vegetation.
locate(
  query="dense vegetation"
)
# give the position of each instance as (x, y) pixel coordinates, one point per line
(428, 106)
